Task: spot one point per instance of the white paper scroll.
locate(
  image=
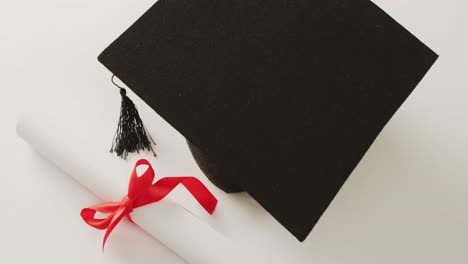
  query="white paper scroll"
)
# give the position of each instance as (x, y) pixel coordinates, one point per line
(75, 142)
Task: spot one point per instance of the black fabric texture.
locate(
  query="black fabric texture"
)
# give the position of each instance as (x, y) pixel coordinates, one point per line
(285, 96)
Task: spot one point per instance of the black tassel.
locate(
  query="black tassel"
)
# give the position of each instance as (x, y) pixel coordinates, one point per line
(131, 135)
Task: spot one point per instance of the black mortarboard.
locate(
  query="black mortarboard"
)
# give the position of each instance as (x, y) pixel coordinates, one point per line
(285, 96)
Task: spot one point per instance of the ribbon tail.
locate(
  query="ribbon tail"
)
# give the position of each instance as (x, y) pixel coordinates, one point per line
(119, 214)
(199, 191)
(165, 185)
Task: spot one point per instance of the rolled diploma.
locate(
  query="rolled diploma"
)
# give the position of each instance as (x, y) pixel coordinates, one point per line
(79, 153)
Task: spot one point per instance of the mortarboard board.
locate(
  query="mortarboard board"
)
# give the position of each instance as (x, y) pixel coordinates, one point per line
(284, 96)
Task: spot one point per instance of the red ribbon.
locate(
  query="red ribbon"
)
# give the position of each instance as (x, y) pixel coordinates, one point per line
(142, 191)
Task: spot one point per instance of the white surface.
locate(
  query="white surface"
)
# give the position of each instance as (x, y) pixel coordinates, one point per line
(406, 202)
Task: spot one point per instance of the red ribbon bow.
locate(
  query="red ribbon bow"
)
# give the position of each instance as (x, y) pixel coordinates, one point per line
(142, 191)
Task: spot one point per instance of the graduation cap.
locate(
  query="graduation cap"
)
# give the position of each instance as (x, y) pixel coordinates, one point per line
(283, 97)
